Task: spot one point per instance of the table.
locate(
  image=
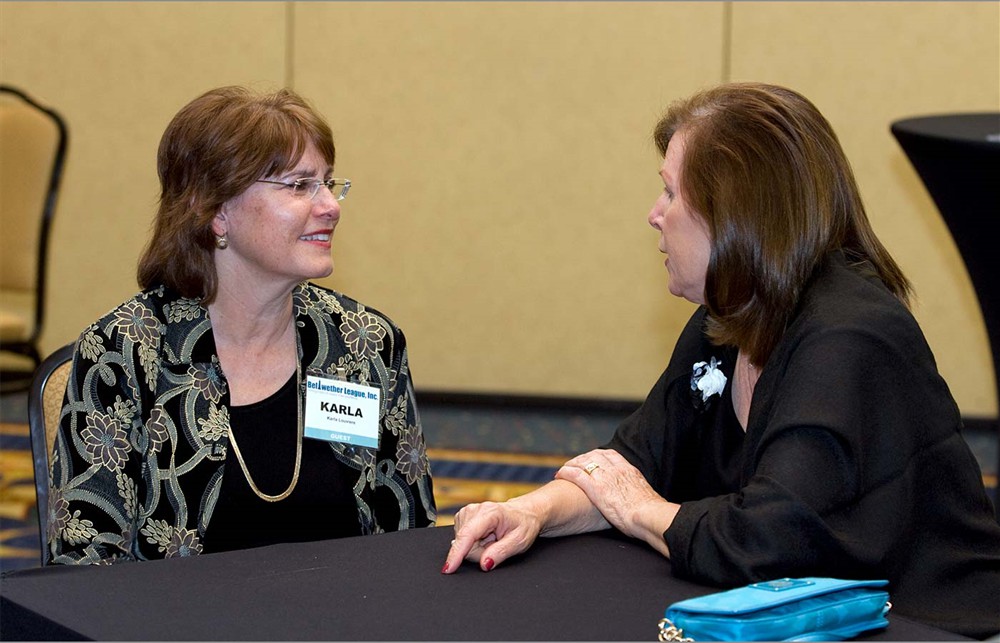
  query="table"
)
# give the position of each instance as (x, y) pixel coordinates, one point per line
(599, 586)
(957, 156)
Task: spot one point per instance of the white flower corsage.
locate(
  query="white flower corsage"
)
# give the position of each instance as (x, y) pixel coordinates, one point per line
(706, 380)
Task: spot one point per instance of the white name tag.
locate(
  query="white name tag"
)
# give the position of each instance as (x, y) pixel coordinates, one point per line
(340, 411)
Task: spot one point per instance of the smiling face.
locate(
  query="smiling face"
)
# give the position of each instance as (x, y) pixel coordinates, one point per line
(684, 234)
(276, 238)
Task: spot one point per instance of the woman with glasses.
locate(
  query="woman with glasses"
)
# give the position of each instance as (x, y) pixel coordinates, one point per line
(232, 403)
(801, 427)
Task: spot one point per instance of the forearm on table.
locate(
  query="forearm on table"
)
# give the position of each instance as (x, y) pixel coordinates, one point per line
(562, 508)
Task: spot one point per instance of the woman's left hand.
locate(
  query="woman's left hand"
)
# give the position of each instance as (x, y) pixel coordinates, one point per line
(621, 494)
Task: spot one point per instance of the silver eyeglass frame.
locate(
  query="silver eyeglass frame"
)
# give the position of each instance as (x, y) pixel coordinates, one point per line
(331, 185)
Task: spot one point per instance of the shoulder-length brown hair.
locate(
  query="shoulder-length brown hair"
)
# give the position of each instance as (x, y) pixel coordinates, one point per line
(215, 148)
(766, 171)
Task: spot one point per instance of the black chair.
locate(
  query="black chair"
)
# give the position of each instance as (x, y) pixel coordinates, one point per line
(45, 399)
(33, 141)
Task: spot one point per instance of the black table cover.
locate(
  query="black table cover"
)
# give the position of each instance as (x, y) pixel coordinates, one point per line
(957, 156)
(599, 586)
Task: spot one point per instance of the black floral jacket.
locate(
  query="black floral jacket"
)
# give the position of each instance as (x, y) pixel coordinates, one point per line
(137, 465)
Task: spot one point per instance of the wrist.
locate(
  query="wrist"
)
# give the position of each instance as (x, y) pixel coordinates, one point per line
(558, 508)
(650, 520)
(534, 506)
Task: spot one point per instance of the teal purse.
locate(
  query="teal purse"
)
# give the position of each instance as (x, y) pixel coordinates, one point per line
(788, 609)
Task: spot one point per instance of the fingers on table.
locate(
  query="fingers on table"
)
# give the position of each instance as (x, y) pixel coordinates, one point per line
(489, 534)
(472, 535)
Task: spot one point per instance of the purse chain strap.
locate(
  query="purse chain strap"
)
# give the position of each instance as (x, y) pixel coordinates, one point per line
(670, 632)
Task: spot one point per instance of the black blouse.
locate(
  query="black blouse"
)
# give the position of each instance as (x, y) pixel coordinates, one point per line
(322, 505)
(853, 464)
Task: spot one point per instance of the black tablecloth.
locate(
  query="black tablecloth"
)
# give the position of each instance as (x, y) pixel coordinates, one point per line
(387, 587)
(957, 156)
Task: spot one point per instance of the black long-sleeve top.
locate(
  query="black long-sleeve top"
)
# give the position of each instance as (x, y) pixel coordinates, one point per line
(852, 465)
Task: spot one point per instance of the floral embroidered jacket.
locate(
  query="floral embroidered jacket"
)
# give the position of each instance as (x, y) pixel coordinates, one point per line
(137, 465)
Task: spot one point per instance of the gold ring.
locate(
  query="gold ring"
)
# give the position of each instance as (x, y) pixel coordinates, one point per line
(590, 467)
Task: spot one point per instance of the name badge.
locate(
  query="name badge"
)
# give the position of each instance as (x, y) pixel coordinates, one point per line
(341, 411)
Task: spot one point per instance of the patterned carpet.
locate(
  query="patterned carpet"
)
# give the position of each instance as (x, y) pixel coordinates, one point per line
(479, 451)
(18, 520)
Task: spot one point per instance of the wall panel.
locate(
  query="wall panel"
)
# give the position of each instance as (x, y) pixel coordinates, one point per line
(866, 64)
(501, 156)
(503, 167)
(117, 72)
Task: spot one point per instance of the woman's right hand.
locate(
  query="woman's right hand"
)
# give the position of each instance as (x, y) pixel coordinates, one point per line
(489, 533)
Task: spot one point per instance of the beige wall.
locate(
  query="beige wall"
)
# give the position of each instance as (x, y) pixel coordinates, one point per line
(501, 156)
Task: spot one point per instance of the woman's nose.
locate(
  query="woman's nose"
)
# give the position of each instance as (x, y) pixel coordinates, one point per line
(654, 216)
(325, 204)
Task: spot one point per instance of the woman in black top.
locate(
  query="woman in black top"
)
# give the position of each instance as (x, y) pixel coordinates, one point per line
(801, 427)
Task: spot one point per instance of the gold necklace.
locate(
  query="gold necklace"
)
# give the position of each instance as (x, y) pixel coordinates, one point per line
(298, 447)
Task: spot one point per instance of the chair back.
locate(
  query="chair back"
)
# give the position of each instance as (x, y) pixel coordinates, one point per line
(33, 142)
(45, 401)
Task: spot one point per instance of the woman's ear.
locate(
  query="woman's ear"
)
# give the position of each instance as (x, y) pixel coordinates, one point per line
(219, 222)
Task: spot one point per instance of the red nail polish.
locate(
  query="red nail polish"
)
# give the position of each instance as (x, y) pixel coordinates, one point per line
(444, 570)
(488, 564)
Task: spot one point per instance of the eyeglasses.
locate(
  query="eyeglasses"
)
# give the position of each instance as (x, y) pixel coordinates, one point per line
(310, 187)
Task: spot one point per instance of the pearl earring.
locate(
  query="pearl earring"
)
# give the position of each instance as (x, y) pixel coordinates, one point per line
(221, 242)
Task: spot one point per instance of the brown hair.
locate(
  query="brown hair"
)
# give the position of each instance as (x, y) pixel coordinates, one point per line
(766, 171)
(215, 148)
